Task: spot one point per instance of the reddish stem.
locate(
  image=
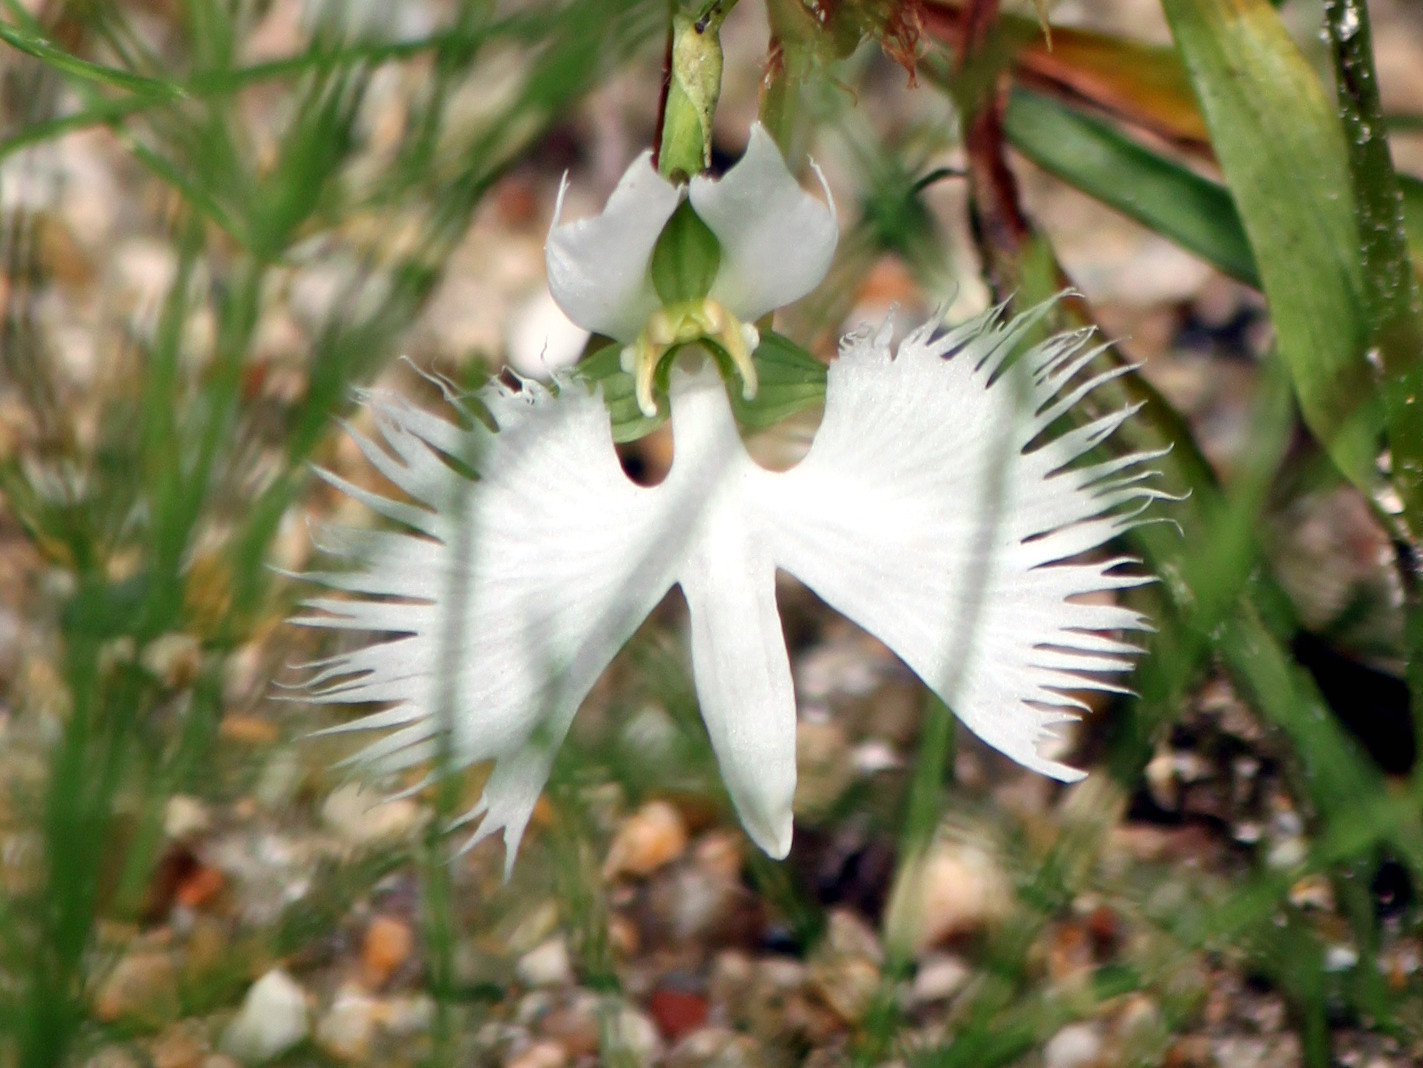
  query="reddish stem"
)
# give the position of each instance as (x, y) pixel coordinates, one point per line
(664, 90)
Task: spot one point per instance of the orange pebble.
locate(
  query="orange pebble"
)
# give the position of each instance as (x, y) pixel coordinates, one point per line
(200, 887)
(387, 946)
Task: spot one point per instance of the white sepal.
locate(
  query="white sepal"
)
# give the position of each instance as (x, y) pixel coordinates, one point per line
(776, 239)
(598, 267)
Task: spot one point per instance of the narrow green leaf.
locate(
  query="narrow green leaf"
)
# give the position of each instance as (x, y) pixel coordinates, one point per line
(1279, 141)
(1392, 294)
(42, 50)
(1195, 212)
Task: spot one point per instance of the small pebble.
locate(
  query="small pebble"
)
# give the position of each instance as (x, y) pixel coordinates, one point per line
(654, 835)
(386, 947)
(361, 817)
(185, 817)
(180, 1046)
(247, 730)
(939, 977)
(959, 890)
(346, 1030)
(539, 1055)
(142, 989)
(1075, 1046)
(846, 985)
(1313, 892)
(114, 1057)
(273, 1018)
(410, 1014)
(546, 965)
(1340, 958)
(574, 1026)
(201, 887)
(825, 763)
(694, 900)
(716, 1047)
(635, 1035)
(677, 1012)
(174, 658)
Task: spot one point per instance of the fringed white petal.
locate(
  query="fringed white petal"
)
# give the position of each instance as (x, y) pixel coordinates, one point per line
(510, 600)
(776, 239)
(929, 512)
(598, 267)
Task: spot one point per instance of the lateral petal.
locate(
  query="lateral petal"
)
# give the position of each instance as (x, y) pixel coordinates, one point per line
(776, 239)
(511, 599)
(598, 267)
(927, 512)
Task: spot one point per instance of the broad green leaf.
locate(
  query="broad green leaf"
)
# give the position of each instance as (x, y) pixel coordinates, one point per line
(1279, 141)
(1195, 212)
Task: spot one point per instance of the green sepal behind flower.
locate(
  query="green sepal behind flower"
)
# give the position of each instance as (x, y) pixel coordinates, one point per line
(686, 258)
(791, 381)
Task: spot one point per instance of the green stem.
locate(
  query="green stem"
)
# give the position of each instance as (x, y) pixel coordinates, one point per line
(1392, 296)
(1391, 290)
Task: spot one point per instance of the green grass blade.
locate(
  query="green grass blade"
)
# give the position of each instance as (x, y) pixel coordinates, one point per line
(1195, 212)
(37, 47)
(1279, 141)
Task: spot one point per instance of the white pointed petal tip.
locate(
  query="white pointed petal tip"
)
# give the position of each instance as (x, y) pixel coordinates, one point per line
(542, 339)
(772, 833)
(508, 800)
(777, 240)
(598, 267)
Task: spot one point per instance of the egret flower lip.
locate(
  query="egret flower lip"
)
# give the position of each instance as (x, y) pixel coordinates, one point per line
(932, 510)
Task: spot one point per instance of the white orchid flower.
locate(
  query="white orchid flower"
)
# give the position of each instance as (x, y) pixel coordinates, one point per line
(775, 242)
(932, 509)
